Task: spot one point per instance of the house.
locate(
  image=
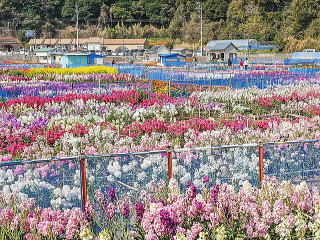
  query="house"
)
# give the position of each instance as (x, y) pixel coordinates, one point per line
(10, 44)
(92, 44)
(128, 44)
(155, 51)
(172, 59)
(183, 51)
(241, 44)
(80, 59)
(48, 55)
(222, 51)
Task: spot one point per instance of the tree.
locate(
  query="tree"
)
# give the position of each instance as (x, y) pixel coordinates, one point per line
(300, 14)
(192, 30)
(176, 25)
(215, 10)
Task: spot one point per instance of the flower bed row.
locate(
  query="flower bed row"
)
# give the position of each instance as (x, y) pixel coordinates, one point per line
(68, 78)
(278, 210)
(129, 121)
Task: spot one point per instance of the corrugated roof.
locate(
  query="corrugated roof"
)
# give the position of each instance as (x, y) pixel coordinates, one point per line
(171, 55)
(220, 46)
(94, 40)
(155, 48)
(237, 42)
(76, 54)
(141, 41)
(45, 50)
(306, 55)
(54, 41)
(10, 41)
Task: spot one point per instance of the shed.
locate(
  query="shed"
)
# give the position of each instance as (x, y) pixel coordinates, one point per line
(81, 59)
(172, 59)
(155, 51)
(222, 51)
(95, 59)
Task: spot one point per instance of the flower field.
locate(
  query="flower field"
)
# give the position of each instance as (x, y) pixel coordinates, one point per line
(132, 121)
(71, 134)
(274, 211)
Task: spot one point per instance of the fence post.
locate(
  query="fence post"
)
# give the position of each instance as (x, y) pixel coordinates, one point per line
(261, 165)
(169, 165)
(83, 172)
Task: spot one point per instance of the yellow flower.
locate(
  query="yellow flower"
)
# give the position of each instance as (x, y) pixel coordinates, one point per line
(203, 236)
(86, 234)
(104, 235)
(68, 71)
(180, 236)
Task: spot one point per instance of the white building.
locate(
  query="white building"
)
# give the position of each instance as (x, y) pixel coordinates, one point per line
(48, 55)
(222, 51)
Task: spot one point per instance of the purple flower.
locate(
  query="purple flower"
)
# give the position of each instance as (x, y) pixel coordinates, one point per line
(199, 205)
(167, 221)
(111, 194)
(192, 190)
(126, 210)
(205, 179)
(214, 192)
(139, 211)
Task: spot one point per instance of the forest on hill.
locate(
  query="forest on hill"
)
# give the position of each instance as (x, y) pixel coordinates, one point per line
(290, 24)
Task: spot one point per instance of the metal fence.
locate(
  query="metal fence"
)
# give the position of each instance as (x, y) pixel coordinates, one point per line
(69, 182)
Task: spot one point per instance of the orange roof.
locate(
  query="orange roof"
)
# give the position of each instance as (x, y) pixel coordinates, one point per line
(11, 41)
(94, 40)
(65, 41)
(124, 41)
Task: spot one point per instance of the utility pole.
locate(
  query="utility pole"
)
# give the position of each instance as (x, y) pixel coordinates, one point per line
(77, 25)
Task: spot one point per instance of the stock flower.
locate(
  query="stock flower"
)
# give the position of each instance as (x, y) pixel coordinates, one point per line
(111, 194)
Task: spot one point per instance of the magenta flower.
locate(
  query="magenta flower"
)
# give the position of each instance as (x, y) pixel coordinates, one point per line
(205, 179)
(111, 194)
(139, 211)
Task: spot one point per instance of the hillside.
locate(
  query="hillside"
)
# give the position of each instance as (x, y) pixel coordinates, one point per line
(291, 24)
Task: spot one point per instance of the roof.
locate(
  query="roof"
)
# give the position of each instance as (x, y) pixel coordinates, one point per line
(139, 41)
(94, 40)
(306, 55)
(171, 55)
(94, 55)
(11, 41)
(237, 42)
(54, 41)
(155, 48)
(178, 49)
(76, 54)
(50, 41)
(45, 50)
(221, 46)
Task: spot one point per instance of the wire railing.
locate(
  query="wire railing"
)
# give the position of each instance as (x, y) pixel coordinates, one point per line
(70, 182)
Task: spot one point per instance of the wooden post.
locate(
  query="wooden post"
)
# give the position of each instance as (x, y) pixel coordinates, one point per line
(83, 171)
(169, 156)
(169, 87)
(261, 165)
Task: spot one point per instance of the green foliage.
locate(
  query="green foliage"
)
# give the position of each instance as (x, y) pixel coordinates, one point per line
(265, 20)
